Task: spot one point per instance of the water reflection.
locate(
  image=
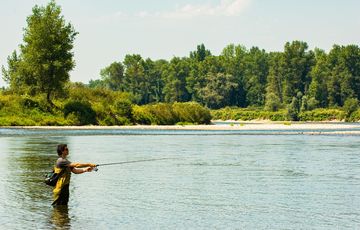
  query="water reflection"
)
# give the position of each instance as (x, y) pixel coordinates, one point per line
(28, 160)
(60, 217)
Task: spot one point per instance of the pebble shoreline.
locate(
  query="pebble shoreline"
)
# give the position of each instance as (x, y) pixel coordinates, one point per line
(302, 128)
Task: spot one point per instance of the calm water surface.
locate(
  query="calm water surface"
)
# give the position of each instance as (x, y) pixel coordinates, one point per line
(211, 181)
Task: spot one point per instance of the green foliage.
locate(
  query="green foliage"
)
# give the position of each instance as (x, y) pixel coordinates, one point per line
(293, 109)
(256, 70)
(16, 121)
(217, 90)
(272, 102)
(142, 115)
(318, 89)
(192, 112)
(174, 76)
(45, 57)
(296, 65)
(322, 115)
(312, 104)
(355, 116)
(281, 115)
(170, 114)
(82, 112)
(350, 106)
(123, 107)
(248, 114)
(113, 76)
(163, 113)
(200, 54)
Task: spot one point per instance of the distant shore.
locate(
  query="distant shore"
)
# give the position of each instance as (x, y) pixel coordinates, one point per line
(303, 128)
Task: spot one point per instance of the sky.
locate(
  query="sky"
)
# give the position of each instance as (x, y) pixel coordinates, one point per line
(163, 29)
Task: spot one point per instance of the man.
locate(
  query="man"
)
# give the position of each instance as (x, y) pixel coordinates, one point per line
(65, 167)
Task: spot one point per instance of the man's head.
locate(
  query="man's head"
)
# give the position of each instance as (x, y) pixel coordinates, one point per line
(61, 148)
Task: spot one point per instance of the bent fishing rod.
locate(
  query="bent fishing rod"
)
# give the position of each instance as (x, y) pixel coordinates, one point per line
(130, 162)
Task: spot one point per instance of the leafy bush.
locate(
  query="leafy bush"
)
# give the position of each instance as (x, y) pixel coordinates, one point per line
(16, 121)
(163, 113)
(322, 115)
(29, 103)
(192, 112)
(170, 114)
(355, 116)
(246, 114)
(350, 106)
(123, 108)
(142, 115)
(82, 111)
(272, 102)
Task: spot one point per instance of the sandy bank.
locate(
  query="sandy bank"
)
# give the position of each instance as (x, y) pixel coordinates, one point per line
(247, 126)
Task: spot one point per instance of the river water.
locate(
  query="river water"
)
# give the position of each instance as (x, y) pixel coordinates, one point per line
(207, 181)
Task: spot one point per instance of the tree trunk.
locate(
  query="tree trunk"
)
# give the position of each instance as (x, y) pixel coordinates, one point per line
(48, 99)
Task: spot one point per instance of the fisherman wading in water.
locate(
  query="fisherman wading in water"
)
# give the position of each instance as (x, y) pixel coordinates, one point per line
(64, 167)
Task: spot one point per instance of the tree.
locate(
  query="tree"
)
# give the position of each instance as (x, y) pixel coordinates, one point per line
(45, 57)
(200, 54)
(318, 91)
(153, 72)
(232, 58)
(11, 76)
(272, 102)
(350, 106)
(198, 75)
(274, 90)
(113, 76)
(136, 80)
(296, 64)
(174, 76)
(256, 70)
(216, 93)
(344, 79)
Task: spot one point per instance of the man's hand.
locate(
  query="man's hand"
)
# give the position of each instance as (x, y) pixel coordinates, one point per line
(88, 169)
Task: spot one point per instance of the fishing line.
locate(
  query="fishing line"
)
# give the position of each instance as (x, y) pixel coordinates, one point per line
(130, 162)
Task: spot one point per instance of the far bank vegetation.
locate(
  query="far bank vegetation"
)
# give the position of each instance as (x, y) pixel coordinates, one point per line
(296, 84)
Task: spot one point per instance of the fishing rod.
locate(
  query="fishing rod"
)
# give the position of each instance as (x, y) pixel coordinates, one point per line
(130, 162)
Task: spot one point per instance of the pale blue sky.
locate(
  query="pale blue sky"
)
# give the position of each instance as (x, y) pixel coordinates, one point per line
(110, 29)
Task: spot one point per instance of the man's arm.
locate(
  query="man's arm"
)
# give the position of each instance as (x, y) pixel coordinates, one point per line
(81, 170)
(81, 165)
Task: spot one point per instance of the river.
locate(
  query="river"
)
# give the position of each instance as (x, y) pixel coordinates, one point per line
(209, 180)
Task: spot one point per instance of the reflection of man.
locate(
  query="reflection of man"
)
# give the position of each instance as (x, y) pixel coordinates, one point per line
(60, 217)
(64, 167)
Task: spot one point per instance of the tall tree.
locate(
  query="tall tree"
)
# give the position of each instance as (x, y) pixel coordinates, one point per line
(198, 76)
(216, 93)
(232, 58)
(136, 79)
(344, 79)
(174, 76)
(295, 68)
(45, 57)
(274, 89)
(113, 76)
(200, 54)
(318, 91)
(153, 72)
(255, 73)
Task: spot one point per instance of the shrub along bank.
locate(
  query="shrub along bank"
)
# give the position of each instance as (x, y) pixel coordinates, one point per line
(84, 106)
(80, 105)
(244, 114)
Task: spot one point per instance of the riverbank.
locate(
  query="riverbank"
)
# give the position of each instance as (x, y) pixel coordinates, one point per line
(302, 128)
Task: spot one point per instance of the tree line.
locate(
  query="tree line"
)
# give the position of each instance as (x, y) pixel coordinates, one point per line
(241, 77)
